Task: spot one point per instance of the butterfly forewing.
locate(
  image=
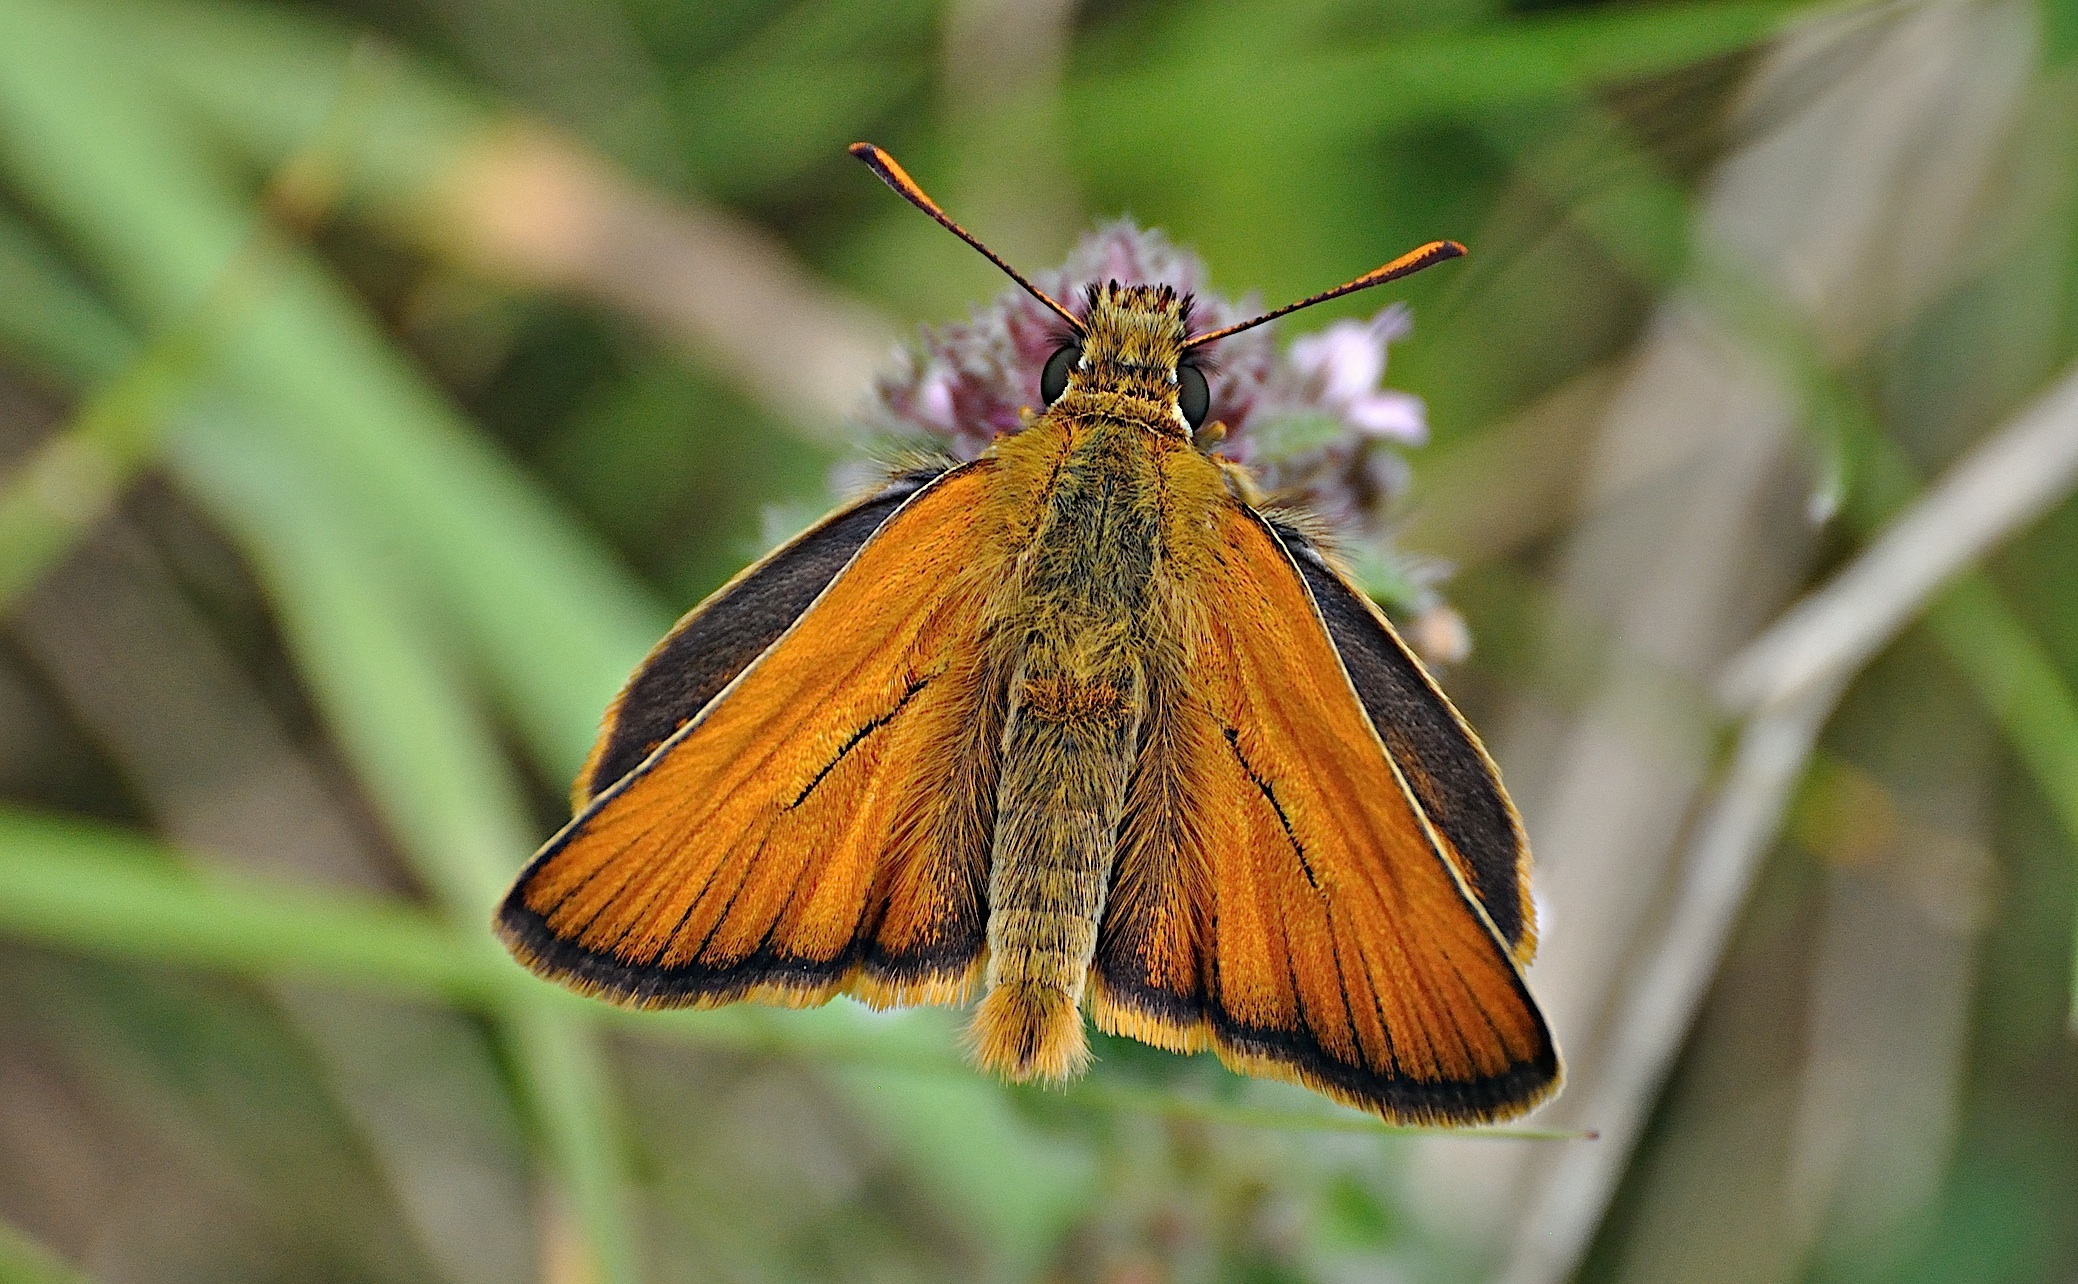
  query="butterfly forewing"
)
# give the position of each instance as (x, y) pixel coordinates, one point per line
(810, 830)
(1453, 779)
(719, 638)
(1293, 909)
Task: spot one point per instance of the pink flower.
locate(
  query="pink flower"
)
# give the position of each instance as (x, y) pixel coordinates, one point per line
(1346, 364)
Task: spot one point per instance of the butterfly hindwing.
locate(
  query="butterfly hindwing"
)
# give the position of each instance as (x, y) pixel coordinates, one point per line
(813, 827)
(719, 638)
(1453, 779)
(1280, 896)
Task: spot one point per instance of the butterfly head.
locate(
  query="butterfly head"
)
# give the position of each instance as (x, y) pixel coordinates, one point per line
(1128, 360)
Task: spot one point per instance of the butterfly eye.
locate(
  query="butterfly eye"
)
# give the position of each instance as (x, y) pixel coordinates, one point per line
(1053, 381)
(1193, 397)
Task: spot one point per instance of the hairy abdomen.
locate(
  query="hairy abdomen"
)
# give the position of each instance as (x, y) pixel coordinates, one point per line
(1068, 754)
(1077, 697)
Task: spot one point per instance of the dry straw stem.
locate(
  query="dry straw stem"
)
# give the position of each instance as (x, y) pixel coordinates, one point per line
(2007, 481)
(1823, 205)
(1003, 66)
(528, 205)
(1789, 681)
(1737, 829)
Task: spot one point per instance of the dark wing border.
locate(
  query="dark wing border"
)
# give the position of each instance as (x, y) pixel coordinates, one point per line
(1450, 772)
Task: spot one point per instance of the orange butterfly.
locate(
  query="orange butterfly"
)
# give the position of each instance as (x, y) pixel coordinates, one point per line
(1072, 720)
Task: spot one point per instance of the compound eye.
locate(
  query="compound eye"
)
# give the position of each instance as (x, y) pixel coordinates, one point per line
(1053, 381)
(1193, 397)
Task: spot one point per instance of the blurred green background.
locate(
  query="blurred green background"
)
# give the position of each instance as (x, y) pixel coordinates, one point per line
(378, 380)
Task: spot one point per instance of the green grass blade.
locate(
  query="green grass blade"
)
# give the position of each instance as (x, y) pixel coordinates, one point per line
(73, 479)
(84, 886)
(564, 1066)
(549, 617)
(53, 325)
(24, 1261)
(272, 81)
(87, 887)
(432, 766)
(262, 78)
(368, 649)
(2019, 684)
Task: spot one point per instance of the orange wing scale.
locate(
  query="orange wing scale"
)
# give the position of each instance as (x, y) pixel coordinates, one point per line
(1281, 897)
(798, 838)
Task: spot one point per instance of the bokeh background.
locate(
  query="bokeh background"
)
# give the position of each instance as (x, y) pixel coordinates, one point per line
(378, 379)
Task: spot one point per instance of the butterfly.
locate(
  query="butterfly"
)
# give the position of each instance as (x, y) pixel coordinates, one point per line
(1077, 723)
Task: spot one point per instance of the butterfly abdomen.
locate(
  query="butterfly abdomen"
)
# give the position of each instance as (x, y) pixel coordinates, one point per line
(1068, 754)
(1077, 700)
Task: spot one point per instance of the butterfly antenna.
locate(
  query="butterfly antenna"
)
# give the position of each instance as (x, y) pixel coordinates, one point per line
(1406, 265)
(898, 178)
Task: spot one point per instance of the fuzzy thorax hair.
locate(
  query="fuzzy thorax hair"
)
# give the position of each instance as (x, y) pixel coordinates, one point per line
(1134, 339)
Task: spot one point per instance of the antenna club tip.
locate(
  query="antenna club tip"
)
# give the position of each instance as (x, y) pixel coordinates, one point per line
(1444, 249)
(876, 160)
(888, 171)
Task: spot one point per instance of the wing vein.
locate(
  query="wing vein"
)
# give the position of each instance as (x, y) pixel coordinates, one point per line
(916, 684)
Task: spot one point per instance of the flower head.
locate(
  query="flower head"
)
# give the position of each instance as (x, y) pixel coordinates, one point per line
(965, 383)
(1313, 422)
